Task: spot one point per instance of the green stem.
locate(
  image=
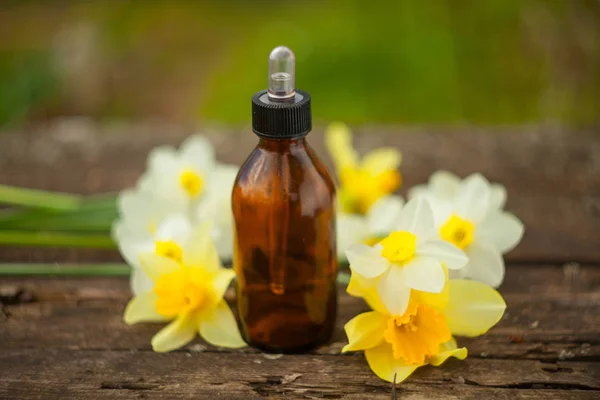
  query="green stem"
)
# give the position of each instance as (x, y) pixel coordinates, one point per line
(47, 239)
(65, 270)
(95, 213)
(38, 198)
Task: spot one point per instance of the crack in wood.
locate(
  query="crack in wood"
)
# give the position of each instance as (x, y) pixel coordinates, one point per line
(280, 385)
(13, 296)
(534, 385)
(129, 386)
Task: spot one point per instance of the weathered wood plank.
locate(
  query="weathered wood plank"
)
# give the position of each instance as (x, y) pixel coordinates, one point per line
(529, 160)
(69, 374)
(553, 314)
(552, 176)
(553, 332)
(521, 279)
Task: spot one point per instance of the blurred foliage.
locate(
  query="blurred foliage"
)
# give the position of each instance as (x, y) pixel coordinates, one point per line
(439, 61)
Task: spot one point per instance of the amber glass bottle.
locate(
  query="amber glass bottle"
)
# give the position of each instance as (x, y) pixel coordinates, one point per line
(284, 212)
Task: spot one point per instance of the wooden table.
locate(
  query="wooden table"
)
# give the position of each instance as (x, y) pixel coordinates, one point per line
(64, 338)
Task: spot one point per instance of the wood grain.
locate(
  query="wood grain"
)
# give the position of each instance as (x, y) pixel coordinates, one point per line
(65, 338)
(51, 374)
(552, 175)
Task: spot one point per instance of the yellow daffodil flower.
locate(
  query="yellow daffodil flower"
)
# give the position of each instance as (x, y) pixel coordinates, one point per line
(410, 257)
(362, 182)
(396, 345)
(469, 214)
(189, 284)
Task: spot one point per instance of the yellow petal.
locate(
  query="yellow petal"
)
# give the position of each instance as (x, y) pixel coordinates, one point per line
(381, 160)
(447, 350)
(221, 281)
(473, 308)
(384, 365)
(220, 328)
(178, 333)
(367, 289)
(154, 265)
(338, 139)
(365, 331)
(201, 251)
(142, 308)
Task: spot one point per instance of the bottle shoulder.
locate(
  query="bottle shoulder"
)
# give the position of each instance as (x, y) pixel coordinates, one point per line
(294, 173)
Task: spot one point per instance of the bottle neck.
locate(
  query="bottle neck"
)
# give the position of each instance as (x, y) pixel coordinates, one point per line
(282, 145)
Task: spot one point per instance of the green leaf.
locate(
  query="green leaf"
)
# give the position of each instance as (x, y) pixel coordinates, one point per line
(53, 239)
(117, 269)
(39, 198)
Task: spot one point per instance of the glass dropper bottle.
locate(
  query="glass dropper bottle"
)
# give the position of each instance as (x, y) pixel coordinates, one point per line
(284, 213)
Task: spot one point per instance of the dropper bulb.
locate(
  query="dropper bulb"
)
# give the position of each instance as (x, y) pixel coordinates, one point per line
(282, 71)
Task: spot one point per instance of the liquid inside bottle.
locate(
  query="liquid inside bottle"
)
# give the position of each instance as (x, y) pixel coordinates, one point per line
(284, 212)
(285, 256)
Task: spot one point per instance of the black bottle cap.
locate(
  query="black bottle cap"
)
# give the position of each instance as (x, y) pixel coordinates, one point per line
(277, 119)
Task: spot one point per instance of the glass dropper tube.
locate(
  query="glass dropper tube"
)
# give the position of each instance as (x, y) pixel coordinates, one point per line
(282, 74)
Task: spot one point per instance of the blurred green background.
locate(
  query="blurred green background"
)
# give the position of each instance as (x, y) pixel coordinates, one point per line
(410, 62)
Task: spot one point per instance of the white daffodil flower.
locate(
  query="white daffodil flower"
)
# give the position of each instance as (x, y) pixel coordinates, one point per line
(185, 177)
(180, 190)
(165, 235)
(370, 228)
(469, 214)
(411, 257)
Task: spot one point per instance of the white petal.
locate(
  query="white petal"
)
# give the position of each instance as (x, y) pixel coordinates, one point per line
(199, 152)
(444, 185)
(418, 190)
(445, 252)
(417, 218)
(160, 157)
(367, 260)
(176, 228)
(124, 200)
(351, 230)
(503, 229)
(224, 177)
(485, 264)
(425, 274)
(133, 247)
(223, 240)
(134, 210)
(383, 214)
(393, 291)
(442, 210)
(473, 202)
(497, 197)
(140, 282)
